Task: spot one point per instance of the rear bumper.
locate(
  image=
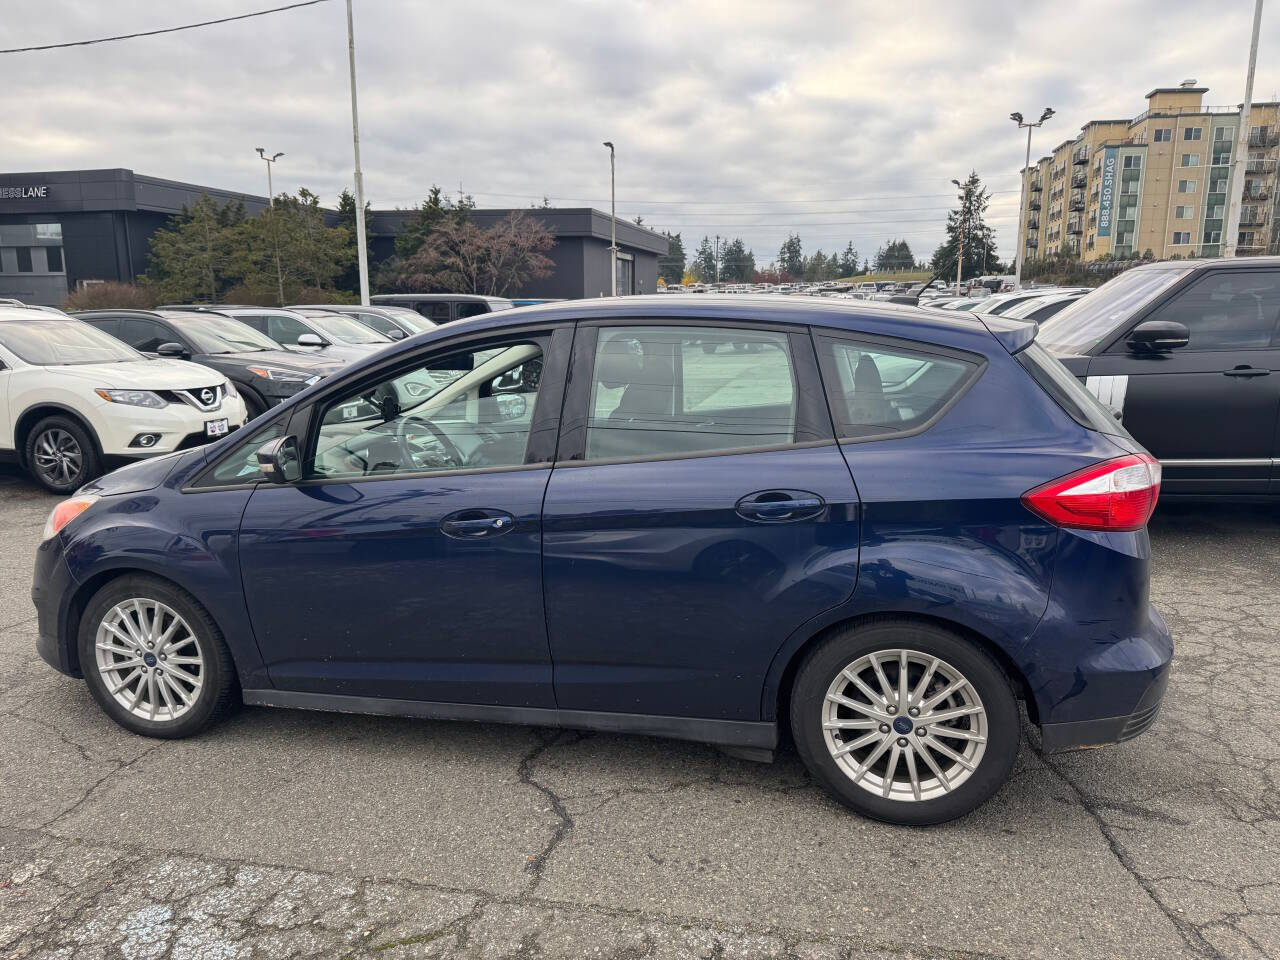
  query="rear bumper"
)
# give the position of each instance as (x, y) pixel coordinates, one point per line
(1085, 734)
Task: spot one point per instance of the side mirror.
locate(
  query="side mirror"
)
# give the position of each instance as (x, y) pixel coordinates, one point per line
(396, 334)
(279, 461)
(312, 340)
(1158, 336)
(175, 350)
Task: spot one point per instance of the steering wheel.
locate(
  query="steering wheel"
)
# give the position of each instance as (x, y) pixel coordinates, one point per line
(453, 457)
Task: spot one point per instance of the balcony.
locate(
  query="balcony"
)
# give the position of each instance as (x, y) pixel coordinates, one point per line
(1078, 179)
(1080, 155)
(1033, 223)
(1259, 166)
(1077, 203)
(1257, 217)
(1264, 138)
(1074, 225)
(1252, 241)
(1033, 242)
(1256, 193)
(1036, 185)
(1033, 205)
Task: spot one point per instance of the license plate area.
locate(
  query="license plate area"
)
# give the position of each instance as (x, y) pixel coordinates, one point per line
(215, 428)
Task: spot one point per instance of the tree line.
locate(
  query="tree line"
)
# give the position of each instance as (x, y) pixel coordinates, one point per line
(288, 254)
(732, 261)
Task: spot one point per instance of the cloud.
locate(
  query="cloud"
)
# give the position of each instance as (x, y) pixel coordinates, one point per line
(841, 122)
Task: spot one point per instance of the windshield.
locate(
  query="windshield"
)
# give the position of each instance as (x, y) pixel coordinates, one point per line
(210, 334)
(49, 343)
(409, 318)
(1091, 319)
(344, 329)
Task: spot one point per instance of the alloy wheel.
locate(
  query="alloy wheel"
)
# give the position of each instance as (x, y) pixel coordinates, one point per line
(904, 725)
(150, 660)
(58, 457)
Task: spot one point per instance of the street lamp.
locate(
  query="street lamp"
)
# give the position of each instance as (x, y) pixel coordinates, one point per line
(613, 224)
(275, 232)
(1026, 177)
(361, 248)
(964, 203)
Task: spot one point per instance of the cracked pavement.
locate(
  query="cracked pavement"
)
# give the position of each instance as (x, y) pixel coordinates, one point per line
(283, 834)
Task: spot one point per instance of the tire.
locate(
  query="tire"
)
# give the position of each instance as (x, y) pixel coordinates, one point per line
(110, 657)
(254, 405)
(61, 454)
(991, 732)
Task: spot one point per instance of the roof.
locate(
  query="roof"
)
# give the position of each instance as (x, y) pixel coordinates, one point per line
(1176, 90)
(561, 221)
(393, 298)
(1218, 263)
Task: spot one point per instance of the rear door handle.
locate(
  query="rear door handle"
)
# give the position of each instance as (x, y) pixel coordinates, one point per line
(1244, 371)
(780, 506)
(478, 523)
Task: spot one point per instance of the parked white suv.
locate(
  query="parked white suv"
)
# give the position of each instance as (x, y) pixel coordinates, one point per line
(74, 400)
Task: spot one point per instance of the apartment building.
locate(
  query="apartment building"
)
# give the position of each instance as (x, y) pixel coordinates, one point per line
(1158, 182)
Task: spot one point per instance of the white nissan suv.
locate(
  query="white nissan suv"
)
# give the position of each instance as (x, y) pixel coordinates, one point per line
(74, 400)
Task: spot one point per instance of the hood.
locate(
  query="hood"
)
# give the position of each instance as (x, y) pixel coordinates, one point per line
(142, 374)
(285, 360)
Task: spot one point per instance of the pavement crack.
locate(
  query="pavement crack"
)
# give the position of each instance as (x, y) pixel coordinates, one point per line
(84, 797)
(537, 863)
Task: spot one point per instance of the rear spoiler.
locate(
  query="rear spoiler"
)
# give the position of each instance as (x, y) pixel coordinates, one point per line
(1014, 335)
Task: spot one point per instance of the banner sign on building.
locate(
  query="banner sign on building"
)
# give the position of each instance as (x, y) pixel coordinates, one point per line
(1110, 161)
(40, 192)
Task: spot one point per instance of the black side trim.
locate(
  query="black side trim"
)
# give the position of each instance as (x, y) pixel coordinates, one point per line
(1083, 734)
(733, 733)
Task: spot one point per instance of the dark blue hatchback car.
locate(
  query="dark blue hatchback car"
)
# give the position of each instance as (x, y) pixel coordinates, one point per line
(719, 519)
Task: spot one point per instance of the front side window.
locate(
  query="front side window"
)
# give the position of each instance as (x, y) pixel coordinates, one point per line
(241, 464)
(1237, 309)
(280, 327)
(144, 335)
(1091, 319)
(465, 410)
(878, 391)
(672, 391)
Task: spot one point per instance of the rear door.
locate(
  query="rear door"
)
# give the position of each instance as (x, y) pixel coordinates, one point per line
(698, 514)
(1208, 410)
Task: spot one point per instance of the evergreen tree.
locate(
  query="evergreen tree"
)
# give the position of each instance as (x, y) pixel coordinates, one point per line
(671, 267)
(896, 255)
(190, 259)
(980, 255)
(737, 263)
(704, 261)
(350, 279)
(791, 256)
(849, 261)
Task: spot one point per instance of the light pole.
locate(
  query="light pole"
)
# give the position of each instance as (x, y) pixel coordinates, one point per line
(964, 204)
(275, 230)
(1026, 187)
(613, 224)
(1242, 145)
(361, 250)
(717, 258)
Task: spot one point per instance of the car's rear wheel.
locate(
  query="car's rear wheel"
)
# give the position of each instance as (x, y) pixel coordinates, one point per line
(154, 659)
(61, 455)
(905, 722)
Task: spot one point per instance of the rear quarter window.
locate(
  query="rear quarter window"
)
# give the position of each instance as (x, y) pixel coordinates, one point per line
(1068, 392)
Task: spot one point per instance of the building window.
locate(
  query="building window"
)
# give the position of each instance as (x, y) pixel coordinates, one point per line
(1186, 186)
(1129, 186)
(24, 259)
(49, 231)
(1213, 236)
(1191, 159)
(1223, 133)
(1216, 212)
(1192, 133)
(54, 255)
(1164, 134)
(1181, 236)
(1132, 162)
(1181, 213)
(1218, 186)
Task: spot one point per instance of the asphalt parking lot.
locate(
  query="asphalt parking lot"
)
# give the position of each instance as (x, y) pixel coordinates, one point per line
(286, 834)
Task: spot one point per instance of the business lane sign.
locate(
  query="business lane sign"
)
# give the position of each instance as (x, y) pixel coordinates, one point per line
(38, 192)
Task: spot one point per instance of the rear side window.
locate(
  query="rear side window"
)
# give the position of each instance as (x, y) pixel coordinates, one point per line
(684, 391)
(879, 391)
(1068, 392)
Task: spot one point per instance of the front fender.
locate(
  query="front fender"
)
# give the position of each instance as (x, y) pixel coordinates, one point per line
(187, 539)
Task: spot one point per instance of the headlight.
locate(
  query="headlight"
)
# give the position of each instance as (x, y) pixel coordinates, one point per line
(65, 512)
(134, 398)
(280, 376)
(229, 389)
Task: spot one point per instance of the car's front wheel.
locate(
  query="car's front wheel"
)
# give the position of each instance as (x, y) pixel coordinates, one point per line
(61, 455)
(905, 722)
(154, 659)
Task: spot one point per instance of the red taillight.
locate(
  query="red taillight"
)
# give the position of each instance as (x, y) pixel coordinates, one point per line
(1115, 494)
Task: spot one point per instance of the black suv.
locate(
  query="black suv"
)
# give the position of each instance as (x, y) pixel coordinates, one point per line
(1187, 353)
(264, 372)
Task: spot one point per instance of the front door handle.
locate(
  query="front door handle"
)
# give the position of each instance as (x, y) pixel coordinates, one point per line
(475, 524)
(780, 506)
(1246, 371)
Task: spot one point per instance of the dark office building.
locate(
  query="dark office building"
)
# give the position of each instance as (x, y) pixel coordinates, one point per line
(60, 230)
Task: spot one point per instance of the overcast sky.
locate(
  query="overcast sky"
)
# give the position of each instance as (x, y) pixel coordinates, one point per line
(840, 121)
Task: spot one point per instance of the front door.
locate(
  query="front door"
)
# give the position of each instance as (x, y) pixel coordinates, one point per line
(406, 562)
(1208, 411)
(698, 514)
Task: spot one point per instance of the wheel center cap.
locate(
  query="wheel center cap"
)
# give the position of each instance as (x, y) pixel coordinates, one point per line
(902, 724)
(149, 659)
